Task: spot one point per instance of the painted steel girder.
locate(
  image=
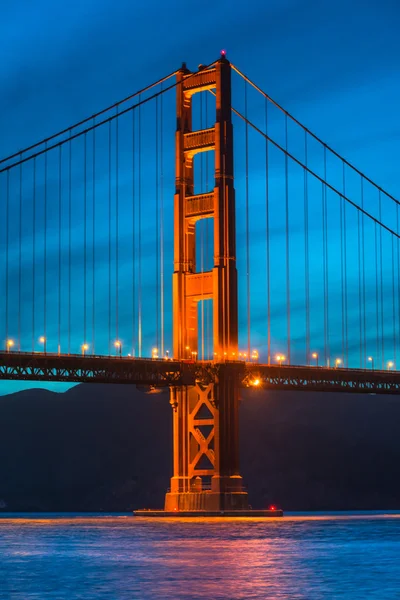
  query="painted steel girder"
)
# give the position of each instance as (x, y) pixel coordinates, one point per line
(361, 381)
(93, 369)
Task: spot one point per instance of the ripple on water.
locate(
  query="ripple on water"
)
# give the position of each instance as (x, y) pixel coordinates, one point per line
(116, 557)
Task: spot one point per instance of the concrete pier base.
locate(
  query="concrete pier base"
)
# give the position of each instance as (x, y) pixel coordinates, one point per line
(179, 514)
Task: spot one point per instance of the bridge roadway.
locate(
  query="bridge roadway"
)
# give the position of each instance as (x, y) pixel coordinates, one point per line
(76, 368)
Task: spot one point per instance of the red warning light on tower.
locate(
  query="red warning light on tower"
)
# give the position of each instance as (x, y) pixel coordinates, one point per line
(223, 53)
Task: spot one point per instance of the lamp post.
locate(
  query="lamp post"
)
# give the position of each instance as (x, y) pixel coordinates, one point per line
(280, 358)
(338, 362)
(371, 360)
(42, 340)
(254, 355)
(118, 348)
(9, 344)
(315, 356)
(390, 365)
(84, 348)
(154, 353)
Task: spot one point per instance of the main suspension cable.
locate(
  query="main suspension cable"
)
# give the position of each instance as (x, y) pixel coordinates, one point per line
(256, 87)
(318, 177)
(95, 126)
(91, 118)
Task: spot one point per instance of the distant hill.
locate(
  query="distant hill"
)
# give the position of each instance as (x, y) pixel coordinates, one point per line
(98, 447)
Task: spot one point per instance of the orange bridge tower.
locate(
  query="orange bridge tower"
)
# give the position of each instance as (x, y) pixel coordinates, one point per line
(205, 418)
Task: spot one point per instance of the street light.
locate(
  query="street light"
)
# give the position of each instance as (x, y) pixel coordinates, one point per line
(338, 361)
(371, 360)
(154, 353)
(188, 351)
(9, 344)
(118, 347)
(255, 382)
(166, 354)
(315, 355)
(194, 356)
(390, 365)
(280, 358)
(254, 355)
(84, 348)
(42, 340)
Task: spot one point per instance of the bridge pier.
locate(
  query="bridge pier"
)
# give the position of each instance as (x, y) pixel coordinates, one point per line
(206, 473)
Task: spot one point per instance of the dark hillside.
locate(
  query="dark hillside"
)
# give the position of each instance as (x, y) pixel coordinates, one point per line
(109, 448)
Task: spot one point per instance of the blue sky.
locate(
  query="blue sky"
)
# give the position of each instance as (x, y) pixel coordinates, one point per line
(333, 65)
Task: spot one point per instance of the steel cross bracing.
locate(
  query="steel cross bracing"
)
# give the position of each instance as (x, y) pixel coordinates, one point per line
(93, 369)
(320, 379)
(170, 373)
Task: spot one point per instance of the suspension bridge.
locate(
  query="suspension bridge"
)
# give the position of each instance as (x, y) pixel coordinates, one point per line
(196, 235)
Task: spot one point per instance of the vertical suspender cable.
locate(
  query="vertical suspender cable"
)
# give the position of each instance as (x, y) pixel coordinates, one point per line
(342, 273)
(109, 237)
(381, 282)
(117, 227)
(20, 254)
(393, 306)
(133, 238)
(326, 355)
(346, 327)
(94, 241)
(377, 290)
(33, 253)
(287, 239)
(162, 225)
(328, 349)
(157, 256)
(360, 314)
(85, 237)
(139, 231)
(59, 246)
(346, 357)
(326, 258)
(69, 237)
(398, 270)
(7, 248)
(45, 249)
(363, 276)
(247, 221)
(267, 234)
(306, 253)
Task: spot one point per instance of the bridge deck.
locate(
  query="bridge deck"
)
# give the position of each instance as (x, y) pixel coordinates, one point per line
(76, 368)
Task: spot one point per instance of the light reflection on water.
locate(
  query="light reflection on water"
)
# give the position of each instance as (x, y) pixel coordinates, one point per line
(123, 557)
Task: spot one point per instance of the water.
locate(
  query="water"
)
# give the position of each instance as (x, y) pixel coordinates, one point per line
(123, 557)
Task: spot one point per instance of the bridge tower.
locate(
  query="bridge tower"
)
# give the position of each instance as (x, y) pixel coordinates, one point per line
(205, 418)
